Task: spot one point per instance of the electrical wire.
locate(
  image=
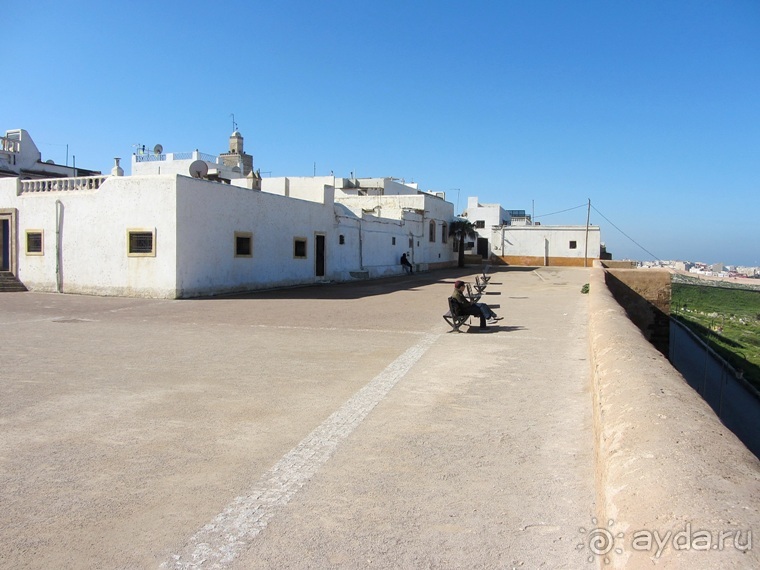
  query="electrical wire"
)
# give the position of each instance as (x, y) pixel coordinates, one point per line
(561, 211)
(625, 234)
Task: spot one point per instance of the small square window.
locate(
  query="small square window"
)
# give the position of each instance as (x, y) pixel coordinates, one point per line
(34, 242)
(243, 244)
(141, 243)
(480, 224)
(299, 248)
(573, 245)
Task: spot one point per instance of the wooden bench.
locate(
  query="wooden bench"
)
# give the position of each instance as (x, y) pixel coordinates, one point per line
(472, 297)
(454, 318)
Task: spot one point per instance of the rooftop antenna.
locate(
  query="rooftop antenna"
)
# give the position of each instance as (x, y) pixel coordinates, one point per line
(158, 149)
(234, 124)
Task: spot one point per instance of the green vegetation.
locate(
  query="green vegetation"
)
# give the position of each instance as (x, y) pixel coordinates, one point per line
(727, 319)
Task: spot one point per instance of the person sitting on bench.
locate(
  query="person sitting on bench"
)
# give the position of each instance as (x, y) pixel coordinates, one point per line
(476, 309)
(406, 264)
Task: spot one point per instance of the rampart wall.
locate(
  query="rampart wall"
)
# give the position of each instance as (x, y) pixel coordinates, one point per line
(666, 467)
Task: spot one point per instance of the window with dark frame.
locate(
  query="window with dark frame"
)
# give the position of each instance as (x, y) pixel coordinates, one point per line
(299, 248)
(393, 241)
(444, 232)
(573, 244)
(34, 242)
(341, 239)
(243, 244)
(480, 224)
(141, 243)
(432, 230)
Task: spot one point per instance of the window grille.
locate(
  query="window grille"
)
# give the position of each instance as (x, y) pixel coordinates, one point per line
(141, 243)
(34, 242)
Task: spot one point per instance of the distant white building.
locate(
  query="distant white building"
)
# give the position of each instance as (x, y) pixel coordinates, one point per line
(19, 156)
(484, 217)
(514, 240)
(169, 231)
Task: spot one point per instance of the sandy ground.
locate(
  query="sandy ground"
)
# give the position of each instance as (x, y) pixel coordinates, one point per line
(326, 427)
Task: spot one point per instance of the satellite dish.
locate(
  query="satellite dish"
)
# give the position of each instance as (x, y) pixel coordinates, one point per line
(198, 169)
(158, 149)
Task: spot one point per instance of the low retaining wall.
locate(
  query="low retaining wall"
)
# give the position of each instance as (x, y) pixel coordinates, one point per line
(645, 296)
(670, 477)
(540, 261)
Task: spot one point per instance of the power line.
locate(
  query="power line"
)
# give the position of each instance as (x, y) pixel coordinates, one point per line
(561, 211)
(625, 234)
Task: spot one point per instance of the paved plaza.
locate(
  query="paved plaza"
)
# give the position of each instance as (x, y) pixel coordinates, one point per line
(335, 426)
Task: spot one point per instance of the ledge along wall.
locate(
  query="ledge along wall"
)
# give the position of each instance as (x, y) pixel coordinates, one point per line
(664, 461)
(645, 296)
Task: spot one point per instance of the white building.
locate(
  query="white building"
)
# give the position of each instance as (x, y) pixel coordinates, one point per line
(417, 221)
(514, 240)
(164, 233)
(485, 217)
(19, 156)
(547, 245)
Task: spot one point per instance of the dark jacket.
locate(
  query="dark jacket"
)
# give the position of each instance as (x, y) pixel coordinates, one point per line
(461, 299)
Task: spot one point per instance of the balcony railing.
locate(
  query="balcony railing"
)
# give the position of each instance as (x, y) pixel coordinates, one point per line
(149, 157)
(193, 155)
(61, 184)
(10, 145)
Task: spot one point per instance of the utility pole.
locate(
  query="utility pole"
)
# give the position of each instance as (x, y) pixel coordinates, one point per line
(588, 217)
(456, 212)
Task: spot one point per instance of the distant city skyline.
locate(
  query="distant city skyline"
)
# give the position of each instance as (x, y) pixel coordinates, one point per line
(648, 109)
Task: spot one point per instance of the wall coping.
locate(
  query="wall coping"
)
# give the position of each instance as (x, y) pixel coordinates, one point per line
(664, 461)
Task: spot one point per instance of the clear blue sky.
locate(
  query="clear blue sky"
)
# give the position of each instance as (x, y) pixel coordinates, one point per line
(650, 109)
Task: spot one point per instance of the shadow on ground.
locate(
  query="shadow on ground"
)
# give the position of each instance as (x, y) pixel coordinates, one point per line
(369, 287)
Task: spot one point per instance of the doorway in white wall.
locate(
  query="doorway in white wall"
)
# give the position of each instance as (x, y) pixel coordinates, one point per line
(319, 255)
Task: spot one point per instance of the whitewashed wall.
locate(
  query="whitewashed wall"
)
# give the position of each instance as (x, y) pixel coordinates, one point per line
(540, 241)
(209, 214)
(93, 237)
(195, 223)
(405, 217)
(311, 188)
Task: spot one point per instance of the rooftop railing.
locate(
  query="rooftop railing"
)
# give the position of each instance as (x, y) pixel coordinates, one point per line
(10, 145)
(193, 155)
(61, 184)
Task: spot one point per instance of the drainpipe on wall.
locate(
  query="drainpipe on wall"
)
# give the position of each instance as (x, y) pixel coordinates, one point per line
(58, 248)
(361, 257)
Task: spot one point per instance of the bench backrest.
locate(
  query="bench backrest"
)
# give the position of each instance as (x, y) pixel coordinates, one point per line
(454, 307)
